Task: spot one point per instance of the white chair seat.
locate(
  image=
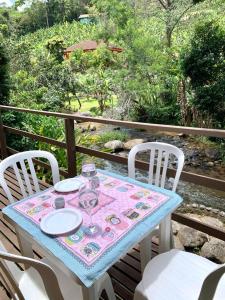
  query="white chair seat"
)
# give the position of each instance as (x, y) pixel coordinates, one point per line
(32, 286)
(177, 275)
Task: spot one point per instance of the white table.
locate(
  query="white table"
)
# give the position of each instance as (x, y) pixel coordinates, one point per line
(160, 217)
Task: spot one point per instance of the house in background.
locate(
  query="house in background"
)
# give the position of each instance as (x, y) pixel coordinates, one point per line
(87, 19)
(90, 45)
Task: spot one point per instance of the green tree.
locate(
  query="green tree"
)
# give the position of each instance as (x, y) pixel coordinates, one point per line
(204, 64)
(56, 46)
(4, 75)
(172, 13)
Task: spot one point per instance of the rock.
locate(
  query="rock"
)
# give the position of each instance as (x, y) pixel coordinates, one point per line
(142, 179)
(182, 135)
(83, 129)
(123, 153)
(191, 238)
(201, 206)
(131, 143)
(212, 221)
(214, 249)
(191, 153)
(92, 127)
(85, 114)
(210, 164)
(195, 164)
(212, 153)
(116, 128)
(176, 138)
(176, 227)
(195, 205)
(114, 145)
(222, 213)
(215, 210)
(177, 243)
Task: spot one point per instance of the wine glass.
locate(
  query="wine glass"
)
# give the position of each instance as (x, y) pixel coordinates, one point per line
(88, 170)
(88, 199)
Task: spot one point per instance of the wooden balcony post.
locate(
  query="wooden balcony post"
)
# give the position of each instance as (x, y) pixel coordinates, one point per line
(70, 147)
(3, 145)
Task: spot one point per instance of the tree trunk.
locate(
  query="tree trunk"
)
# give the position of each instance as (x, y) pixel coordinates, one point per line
(185, 110)
(168, 37)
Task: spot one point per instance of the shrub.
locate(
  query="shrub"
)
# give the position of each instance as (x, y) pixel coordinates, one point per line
(204, 64)
(4, 75)
(113, 135)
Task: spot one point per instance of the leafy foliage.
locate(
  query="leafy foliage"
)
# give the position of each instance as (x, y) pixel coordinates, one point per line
(204, 64)
(143, 80)
(4, 75)
(113, 135)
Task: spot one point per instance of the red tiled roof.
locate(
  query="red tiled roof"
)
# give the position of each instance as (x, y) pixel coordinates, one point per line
(91, 45)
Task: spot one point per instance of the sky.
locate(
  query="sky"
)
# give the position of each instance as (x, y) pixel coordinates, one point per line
(6, 2)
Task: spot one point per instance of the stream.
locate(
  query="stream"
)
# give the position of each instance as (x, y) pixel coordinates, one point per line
(199, 159)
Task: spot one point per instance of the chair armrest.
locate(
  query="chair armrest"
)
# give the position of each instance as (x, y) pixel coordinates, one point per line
(210, 283)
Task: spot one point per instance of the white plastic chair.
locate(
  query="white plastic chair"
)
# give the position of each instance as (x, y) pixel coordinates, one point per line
(160, 155)
(18, 163)
(183, 276)
(43, 282)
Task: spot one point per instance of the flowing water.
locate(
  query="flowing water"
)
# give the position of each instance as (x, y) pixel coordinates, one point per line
(195, 162)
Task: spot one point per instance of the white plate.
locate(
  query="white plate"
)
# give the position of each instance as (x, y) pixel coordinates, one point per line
(61, 221)
(68, 185)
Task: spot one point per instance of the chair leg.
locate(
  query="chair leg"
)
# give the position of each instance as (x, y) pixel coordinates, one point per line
(138, 294)
(172, 244)
(95, 291)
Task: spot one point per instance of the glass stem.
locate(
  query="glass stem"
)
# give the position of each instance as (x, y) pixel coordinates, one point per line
(89, 181)
(91, 222)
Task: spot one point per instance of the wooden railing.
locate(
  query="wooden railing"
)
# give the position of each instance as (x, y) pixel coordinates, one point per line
(71, 150)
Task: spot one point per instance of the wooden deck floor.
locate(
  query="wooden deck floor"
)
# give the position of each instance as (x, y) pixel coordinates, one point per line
(125, 274)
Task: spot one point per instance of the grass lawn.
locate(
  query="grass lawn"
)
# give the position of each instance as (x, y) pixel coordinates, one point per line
(86, 105)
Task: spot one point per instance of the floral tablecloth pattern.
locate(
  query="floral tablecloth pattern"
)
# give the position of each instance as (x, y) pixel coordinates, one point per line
(127, 211)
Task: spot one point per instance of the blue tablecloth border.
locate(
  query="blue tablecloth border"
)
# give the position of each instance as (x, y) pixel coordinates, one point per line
(88, 274)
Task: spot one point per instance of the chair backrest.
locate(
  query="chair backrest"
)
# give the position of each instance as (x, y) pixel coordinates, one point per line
(210, 284)
(18, 163)
(8, 268)
(160, 155)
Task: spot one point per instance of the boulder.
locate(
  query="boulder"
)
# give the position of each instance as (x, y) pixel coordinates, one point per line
(212, 153)
(212, 222)
(191, 238)
(209, 164)
(177, 243)
(123, 153)
(92, 127)
(131, 143)
(214, 250)
(176, 227)
(114, 145)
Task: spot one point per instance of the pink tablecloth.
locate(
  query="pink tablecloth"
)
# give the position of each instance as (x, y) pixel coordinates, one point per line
(121, 206)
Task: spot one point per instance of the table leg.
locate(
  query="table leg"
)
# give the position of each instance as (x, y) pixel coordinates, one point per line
(25, 245)
(145, 251)
(95, 291)
(88, 293)
(165, 232)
